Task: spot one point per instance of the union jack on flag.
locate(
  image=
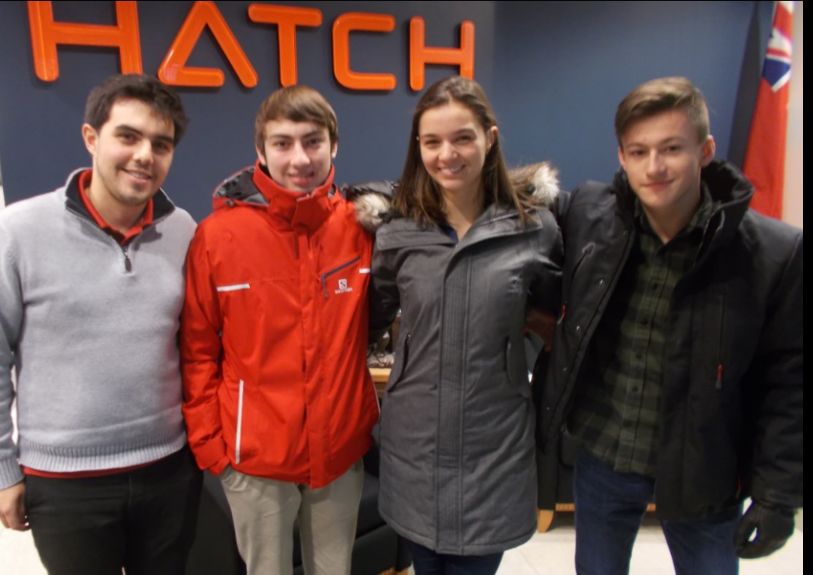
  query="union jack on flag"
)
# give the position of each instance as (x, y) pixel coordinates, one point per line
(765, 156)
(776, 69)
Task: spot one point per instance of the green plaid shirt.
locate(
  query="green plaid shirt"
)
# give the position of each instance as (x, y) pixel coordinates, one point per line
(616, 414)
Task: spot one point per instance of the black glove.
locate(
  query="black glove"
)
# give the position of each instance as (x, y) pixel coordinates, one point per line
(773, 525)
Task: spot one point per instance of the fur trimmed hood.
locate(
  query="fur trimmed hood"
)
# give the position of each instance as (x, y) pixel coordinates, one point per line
(539, 182)
(372, 201)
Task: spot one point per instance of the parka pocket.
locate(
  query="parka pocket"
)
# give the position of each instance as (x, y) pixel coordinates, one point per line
(380, 433)
(516, 366)
(401, 360)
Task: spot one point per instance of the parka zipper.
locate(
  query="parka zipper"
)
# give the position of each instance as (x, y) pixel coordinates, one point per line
(467, 243)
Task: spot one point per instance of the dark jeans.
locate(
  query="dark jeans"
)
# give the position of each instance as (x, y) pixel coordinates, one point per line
(427, 562)
(142, 520)
(609, 510)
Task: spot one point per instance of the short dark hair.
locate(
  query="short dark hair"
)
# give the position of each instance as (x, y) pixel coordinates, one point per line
(160, 97)
(660, 95)
(418, 196)
(297, 103)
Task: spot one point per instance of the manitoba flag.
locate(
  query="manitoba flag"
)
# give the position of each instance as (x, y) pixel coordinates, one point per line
(765, 156)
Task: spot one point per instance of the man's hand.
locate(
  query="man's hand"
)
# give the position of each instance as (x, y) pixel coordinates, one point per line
(773, 526)
(12, 508)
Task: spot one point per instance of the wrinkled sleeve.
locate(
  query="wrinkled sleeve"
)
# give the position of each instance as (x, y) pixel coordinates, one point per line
(777, 392)
(384, 297)
(201, 351)
(11, 314)
(546, 287)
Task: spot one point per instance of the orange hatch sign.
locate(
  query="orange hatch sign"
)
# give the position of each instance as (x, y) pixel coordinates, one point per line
(47, 35)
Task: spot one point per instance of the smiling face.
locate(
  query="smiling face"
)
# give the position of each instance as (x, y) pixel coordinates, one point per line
(663, 156)
(298, 155)
(132, 152)
(453, 147)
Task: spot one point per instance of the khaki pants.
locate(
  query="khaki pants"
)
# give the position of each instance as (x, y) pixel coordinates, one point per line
(264, 511)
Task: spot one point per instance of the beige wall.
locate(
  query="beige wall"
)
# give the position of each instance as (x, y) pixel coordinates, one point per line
(794, 168)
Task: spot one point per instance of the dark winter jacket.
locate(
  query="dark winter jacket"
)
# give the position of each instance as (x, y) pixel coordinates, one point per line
(732, 399)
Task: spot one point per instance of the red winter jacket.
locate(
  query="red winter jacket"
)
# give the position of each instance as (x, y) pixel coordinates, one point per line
(274, 333)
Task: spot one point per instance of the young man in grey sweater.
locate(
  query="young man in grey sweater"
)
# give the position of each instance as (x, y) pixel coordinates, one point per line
(92, 285)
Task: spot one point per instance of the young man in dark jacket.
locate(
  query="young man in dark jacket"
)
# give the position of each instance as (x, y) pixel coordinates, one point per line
(677, 363)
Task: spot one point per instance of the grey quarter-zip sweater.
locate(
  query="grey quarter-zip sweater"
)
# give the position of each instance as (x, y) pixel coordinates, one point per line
(91, 329)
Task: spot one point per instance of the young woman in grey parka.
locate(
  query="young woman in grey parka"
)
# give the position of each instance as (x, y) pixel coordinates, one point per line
(465, 257)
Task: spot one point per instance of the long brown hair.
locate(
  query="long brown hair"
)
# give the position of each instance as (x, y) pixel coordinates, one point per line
(418, 196)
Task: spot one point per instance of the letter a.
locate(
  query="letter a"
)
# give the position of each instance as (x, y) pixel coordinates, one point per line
(174, 70)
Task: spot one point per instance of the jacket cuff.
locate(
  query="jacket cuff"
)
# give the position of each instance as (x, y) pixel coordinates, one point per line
(211, 455)
(771, 497)
(219, 467)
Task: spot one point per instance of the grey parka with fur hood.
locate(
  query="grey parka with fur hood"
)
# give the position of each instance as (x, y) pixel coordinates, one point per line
(456, 433)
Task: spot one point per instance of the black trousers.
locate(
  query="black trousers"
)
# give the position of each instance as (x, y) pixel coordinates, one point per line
(142, 520)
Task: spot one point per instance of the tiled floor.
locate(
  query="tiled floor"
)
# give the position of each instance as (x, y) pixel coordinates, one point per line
(548, 553)
(551, 553)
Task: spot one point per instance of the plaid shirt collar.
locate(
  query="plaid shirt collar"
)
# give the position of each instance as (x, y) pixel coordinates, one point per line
(699, 220)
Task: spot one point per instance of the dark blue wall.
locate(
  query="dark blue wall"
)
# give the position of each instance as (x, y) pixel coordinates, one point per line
(554, 72)
(564, 67)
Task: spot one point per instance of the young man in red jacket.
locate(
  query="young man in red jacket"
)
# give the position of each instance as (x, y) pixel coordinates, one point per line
(278, 399)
